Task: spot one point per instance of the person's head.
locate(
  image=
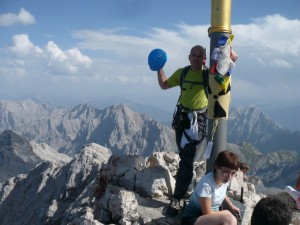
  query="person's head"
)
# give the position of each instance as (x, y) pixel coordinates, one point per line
(271, 211)
(244, 167)
(226, 165)
(197, 56)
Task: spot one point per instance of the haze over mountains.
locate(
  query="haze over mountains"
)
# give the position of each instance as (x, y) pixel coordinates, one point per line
(251, 133)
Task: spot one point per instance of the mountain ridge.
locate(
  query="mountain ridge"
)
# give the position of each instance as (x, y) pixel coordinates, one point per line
(68, 129)
(124, 131)
(250, 124)
(18, 155)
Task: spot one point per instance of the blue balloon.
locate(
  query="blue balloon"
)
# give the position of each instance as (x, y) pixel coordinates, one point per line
(157, 59)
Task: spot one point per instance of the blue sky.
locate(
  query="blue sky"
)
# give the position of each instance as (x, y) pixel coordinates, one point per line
(82, 51)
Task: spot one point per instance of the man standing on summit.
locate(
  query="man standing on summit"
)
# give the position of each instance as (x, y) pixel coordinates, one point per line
(192, 111)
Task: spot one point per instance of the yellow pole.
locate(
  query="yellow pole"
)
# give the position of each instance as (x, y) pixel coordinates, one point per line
(220, 16)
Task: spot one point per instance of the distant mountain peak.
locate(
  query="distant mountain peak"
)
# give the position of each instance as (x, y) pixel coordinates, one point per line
(250, 124)
(252, 115)
(121, 107)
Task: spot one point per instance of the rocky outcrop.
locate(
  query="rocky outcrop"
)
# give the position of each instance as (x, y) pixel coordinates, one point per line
(97, 187)
(52, 193)
(19, 156)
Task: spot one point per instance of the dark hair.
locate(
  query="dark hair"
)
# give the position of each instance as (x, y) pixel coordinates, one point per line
(244, 166)
(271, 211)
(201, 48)
(227, 159)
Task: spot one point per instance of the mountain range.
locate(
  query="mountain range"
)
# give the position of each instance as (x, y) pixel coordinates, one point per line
(271, 150)
(121, 129)
(68, 129)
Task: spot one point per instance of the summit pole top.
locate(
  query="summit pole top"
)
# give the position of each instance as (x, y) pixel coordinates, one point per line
(220, 16)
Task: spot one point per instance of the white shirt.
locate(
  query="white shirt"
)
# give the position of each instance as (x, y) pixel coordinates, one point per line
(206, 188)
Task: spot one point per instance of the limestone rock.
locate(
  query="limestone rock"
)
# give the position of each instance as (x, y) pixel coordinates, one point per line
(97, 188)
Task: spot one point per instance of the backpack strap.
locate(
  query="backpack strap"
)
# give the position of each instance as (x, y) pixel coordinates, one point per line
(183, 74)
(205, 79)
(204, 76)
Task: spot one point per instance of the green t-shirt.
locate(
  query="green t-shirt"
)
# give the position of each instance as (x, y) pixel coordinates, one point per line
(193, 96)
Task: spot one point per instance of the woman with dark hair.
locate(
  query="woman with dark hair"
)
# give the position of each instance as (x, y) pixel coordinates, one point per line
(210, 193)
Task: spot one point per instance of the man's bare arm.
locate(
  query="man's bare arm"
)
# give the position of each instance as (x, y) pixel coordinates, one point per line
(162, 79)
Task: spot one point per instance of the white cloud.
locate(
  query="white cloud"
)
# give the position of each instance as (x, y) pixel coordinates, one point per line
(267, 67)
(269, 35)
(76, 57)
(55, 53)
(56, 60)
(282, 63)
(263, 48)
(21, 45)
(23, 17)
(67, 61)
(130, 52)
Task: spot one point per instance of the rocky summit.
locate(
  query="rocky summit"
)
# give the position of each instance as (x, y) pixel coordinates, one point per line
(96, 187)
